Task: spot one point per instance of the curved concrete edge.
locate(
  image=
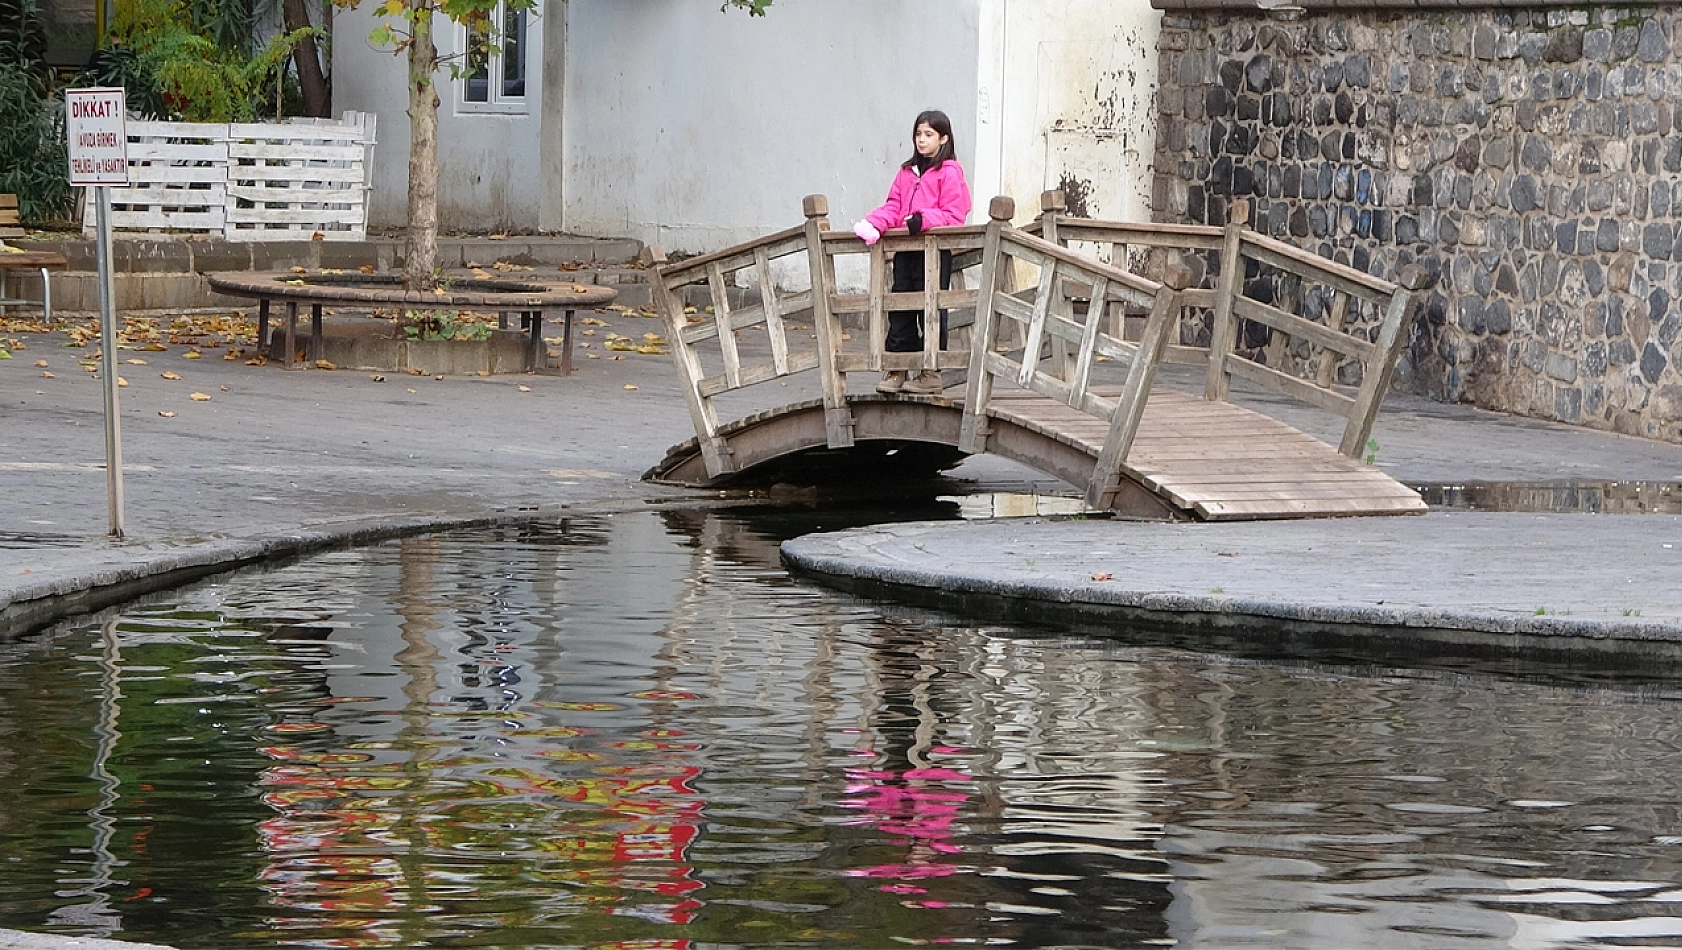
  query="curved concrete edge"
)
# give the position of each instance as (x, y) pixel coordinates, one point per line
(24, 940)
(29, 607)
(843, 559)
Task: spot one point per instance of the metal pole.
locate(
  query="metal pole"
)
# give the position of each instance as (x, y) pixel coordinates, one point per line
(108, 364)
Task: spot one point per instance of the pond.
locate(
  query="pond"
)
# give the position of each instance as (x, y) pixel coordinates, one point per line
(636, 732)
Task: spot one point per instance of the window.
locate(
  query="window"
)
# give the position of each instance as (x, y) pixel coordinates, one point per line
(495, 73)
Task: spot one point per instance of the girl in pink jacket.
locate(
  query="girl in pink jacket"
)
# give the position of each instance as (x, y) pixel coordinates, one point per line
(928, 192)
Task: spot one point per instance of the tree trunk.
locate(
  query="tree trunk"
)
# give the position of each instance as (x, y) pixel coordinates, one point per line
(420, 258)
(311, 81)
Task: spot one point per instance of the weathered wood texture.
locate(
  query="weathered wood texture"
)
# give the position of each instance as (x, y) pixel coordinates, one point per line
(247, 181)
(1313, 336)
(1045, 316)
(9, 219)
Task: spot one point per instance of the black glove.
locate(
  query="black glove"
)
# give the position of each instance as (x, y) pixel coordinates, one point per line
(915, 224)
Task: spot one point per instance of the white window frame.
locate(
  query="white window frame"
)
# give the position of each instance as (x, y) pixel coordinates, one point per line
(496, 102)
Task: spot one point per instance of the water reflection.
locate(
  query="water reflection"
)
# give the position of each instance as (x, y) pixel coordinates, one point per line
(637, 732)
(1574, 496)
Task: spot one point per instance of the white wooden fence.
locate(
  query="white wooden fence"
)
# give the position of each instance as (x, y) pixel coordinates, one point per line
(285, 181)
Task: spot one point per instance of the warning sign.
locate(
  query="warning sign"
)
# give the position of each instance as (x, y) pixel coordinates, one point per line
(98, 138)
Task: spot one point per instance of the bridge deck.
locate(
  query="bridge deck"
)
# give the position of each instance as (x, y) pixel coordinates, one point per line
(1223, 462)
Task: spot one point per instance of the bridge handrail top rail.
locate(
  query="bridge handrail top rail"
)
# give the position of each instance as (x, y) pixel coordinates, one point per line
(1062, 254)
(1325, 265)
(701, 262)
(911, 242)
(1208, 232)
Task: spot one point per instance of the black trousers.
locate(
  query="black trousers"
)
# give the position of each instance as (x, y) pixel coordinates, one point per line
(905, 327)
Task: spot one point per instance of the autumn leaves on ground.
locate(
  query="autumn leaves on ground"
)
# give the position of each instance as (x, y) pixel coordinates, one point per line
(232, 335)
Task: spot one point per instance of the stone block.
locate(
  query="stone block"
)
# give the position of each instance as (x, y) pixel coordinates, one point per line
(1653, 45)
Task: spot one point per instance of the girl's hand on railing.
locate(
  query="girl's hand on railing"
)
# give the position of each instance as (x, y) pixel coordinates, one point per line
(867, 232)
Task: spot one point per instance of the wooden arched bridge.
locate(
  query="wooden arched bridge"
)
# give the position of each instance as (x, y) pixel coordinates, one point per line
(1066, 325)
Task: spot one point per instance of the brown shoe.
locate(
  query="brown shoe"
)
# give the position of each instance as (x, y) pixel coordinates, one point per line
(925, 383)
(892, 382)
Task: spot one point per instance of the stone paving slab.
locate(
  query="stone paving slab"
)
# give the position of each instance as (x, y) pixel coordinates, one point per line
(1597, 577)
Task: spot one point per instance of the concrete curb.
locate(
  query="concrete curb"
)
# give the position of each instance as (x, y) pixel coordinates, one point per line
(855, 560)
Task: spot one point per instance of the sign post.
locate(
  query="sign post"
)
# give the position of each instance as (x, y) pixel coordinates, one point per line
(98, 143)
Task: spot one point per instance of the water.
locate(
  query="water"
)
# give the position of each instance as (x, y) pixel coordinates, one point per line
(637, 732)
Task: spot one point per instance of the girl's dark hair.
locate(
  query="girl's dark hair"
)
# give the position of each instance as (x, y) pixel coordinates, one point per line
(938, 121)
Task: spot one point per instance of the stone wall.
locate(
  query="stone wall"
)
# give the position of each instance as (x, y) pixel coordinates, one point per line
(1531, 158)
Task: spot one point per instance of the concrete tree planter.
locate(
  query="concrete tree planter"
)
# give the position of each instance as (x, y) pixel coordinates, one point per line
(529, 301)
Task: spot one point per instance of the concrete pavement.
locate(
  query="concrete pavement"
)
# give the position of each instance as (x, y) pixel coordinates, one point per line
(278, 462)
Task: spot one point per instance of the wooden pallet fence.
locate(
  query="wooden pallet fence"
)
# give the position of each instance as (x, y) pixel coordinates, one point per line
(178, 180)
(246, 181)
(294, 180)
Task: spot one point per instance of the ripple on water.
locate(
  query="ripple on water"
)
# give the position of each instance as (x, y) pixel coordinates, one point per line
(637, 731)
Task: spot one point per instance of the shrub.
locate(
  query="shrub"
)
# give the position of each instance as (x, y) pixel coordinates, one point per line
(33, 163)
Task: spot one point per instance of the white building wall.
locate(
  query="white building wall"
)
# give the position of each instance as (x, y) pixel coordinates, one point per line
(489, 177)
(696, 129)
(1066, 99)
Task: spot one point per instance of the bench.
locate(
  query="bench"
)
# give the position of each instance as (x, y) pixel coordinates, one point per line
(531, 299)
(12, 259)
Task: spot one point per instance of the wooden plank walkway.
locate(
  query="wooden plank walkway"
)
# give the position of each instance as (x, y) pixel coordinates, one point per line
(1221, 461)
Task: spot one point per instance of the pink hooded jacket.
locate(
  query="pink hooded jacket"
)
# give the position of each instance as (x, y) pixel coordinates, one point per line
(940, 193)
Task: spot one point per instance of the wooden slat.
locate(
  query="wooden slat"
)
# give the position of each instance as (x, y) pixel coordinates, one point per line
(1297, 326)
(710, 386)
(736, 257)
(772, 311)
(1237, 510)
(1314, 267)
(908, 300)
(1290, 386)
(726, 331)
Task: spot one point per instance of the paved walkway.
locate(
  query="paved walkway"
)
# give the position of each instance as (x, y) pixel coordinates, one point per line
(278, 461)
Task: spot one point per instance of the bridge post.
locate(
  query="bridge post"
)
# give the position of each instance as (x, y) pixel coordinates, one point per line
(1052, 206)
(715, 450)
(1223, 333)
(1161, 329)
(972, 437)
(1376, 380)
(838, 420)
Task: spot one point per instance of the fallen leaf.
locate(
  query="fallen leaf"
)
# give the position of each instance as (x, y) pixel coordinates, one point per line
(169, 374)
(525, 389)
(1103, 577)
(192, 355)
(166, 413)
(414, 372)
(46, 375)
(41, 363)
(366, 268)
(226, 389)
(300, 270)
(318, 236)
(257, 361)
(86, 368)
(324, 364)
(234, 353)
(439, 376)
(629, 386)
(411, 390)
(137, 361)
(200, 397)
(593, 356)
(377, 378)
(122, 383)
(580, 289)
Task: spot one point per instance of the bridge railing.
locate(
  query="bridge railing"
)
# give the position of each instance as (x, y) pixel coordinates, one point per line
(1337, 330)
(705, 337)
(1061, 344)
(848, 330)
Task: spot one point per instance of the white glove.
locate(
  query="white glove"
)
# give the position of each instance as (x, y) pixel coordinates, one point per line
(867, 232)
